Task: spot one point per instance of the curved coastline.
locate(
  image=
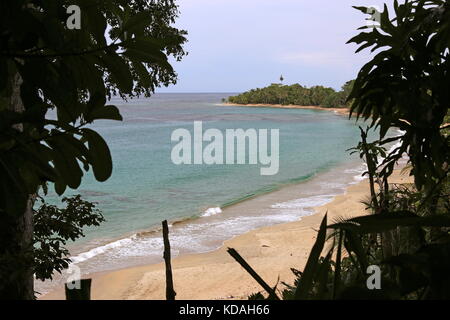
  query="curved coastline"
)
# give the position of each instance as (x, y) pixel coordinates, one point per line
(271, 250)
(240, 216)
(155, 230)
(340, 111)
(304, 230)
(195, 220)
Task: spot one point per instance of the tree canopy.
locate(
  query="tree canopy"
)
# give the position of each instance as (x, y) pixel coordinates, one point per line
(74, 72)
(121, 49)
(404, 233)
(413, 58)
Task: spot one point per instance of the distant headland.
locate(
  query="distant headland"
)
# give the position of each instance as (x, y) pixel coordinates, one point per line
(295, 96)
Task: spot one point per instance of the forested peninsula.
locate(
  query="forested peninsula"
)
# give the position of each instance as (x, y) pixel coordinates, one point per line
(296, 94)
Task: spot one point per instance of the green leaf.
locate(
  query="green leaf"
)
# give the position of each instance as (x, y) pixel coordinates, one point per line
(97, 22)
(306, 281)
(389, 220)
(352, 243)
(360, 8)
(65, 161)
(138, 22)
(120, 71)
(108, 112)
(100, 155)
(337, 269)
(322, 279)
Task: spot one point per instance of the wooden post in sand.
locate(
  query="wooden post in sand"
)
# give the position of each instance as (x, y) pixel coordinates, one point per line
(170, 292)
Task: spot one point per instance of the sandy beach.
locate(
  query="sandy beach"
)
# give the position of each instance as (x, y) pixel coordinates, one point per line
(271, 251)
(341, 111)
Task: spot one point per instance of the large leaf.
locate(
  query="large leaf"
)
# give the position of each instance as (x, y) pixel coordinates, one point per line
(119, 70)
(108, 112)
(65, 161)
(99, 153)
(306, 281)
(387, 221)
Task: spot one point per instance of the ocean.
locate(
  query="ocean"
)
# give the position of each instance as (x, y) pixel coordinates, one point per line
(205, 204)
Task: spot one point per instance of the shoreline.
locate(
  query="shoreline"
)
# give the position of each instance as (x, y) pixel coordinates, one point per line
(271, 251)
(340, 111)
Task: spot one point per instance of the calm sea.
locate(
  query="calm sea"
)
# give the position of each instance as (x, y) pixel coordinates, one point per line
(146, 187)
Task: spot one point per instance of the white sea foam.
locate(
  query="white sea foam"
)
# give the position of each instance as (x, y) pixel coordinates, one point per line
(359, 173)
(102, 249)
(212, 212)
(203, 237)
(333, 185)
(190, 238)
(194, 238)
(304, 203)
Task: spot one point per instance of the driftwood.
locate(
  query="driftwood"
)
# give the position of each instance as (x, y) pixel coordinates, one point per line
(246, 266)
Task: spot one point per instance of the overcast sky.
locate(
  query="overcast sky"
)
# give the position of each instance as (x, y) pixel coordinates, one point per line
(237, 45)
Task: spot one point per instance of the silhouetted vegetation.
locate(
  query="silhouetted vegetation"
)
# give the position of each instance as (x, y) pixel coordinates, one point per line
(54, 227)
(407, 233)
(296, 95)
(122, 49)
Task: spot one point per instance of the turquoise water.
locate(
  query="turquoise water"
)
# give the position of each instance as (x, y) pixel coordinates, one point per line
(146, 187)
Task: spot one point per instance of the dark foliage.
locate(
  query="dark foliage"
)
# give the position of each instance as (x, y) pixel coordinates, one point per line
(407, 234)
(295, 95)
(54, 82)
(406, 85)
(53, 227)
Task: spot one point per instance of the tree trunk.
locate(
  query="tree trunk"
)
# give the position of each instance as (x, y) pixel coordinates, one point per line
(16, 272)
(371, 169)
(16, 233)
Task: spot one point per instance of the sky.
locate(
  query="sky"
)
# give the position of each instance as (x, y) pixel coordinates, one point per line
(237, 45)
